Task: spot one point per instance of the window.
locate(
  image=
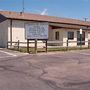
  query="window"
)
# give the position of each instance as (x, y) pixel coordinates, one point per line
(57, 35)
(80, 38)
(70, 35)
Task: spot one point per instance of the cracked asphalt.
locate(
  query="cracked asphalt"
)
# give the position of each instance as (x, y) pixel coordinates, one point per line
(51, 71)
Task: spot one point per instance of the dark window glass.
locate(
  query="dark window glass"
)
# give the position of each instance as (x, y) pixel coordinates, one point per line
(80, 38)
(57, 35)
(70, 35)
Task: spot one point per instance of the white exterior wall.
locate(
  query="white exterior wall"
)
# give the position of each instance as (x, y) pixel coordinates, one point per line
(60, 34)
(50, 34)
(88, 35)
(52, 37)
(86, 38)
(4, 33)
(18, 32)
(63, 37)
(74, 41)
(71, 42)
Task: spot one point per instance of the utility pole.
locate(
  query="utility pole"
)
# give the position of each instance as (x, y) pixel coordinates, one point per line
(85, 19)
(23, 7)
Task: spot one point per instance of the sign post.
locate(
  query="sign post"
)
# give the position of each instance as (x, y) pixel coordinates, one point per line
(80, 38)
(35, 46)
(36, 31)
(46, 45)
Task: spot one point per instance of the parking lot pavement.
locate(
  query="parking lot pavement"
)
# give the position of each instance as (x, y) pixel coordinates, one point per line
(51, 71)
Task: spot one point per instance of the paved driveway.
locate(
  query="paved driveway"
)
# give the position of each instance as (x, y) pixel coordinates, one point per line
(52, 71)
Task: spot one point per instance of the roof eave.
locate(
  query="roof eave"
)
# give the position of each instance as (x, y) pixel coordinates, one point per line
(2, 18)
(49, 21)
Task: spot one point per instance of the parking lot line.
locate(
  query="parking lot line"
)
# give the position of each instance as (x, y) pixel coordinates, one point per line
(85, 54)
(8, 53)
(6, 57)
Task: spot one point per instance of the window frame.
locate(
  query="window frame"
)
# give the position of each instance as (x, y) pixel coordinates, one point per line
(57, 35)
(70, 35)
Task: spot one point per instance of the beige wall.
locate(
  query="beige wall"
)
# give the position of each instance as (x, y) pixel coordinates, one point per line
(18, 33)
(50, 34)
(60, 34)
(86, 38)
(88, 35)
(63, 37)
(71, 42)
(52, 40)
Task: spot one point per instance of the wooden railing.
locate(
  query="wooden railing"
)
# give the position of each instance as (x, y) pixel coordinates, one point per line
(51, 44)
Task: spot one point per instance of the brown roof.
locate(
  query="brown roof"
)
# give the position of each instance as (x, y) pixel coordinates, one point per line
(37, 17)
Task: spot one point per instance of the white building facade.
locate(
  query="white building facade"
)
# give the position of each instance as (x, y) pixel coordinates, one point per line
(13, 29)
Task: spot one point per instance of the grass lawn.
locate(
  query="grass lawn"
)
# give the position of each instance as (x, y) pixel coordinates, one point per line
(32, 50)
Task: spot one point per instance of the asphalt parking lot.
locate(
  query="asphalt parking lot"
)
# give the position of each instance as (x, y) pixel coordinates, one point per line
(51, 71)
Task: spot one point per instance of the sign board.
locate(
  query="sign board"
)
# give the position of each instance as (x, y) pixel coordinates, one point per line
(80, 31)
(36, 30)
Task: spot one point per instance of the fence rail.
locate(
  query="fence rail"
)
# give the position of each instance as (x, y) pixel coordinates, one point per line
(50, 44)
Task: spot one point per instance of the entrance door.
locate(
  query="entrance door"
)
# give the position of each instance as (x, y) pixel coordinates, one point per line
(82, 38)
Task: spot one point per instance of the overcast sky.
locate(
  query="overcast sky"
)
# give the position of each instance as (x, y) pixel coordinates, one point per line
(62, 8)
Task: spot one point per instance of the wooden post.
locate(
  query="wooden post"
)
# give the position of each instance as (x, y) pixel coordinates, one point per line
(80, 41)
(88, 43)
(27, 45)
(7, 45)
(46, 46)
(67, 45)
(35, 46)
(18, 45)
